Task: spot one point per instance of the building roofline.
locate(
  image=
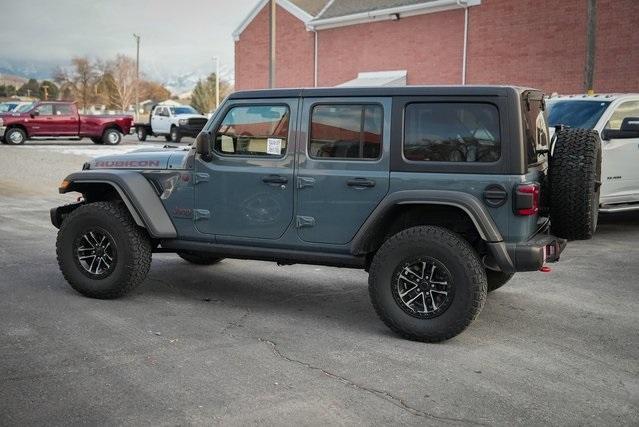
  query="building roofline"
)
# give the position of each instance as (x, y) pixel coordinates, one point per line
(391, 13)
(293, 9)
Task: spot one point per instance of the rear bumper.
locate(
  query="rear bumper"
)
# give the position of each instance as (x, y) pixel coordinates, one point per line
(542, 248)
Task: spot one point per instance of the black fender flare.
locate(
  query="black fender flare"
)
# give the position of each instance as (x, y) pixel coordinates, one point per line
(137, 193)
(470, 204)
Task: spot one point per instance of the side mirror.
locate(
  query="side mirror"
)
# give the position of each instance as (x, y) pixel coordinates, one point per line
(35, 113)
(203, 146)
(629, 129)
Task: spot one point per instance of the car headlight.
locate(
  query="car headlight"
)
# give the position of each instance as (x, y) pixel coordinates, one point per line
(183, 122)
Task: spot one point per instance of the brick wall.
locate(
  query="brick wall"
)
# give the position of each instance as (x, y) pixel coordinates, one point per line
(429, 47)
(538, 43)
(294, 53)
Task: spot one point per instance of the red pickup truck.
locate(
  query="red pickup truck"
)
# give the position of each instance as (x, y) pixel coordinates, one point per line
(61, 119)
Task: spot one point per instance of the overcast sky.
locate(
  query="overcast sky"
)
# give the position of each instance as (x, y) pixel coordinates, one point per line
(178, 36)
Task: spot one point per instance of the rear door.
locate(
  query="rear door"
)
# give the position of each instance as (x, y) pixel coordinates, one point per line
(66, 119)
(343, 166)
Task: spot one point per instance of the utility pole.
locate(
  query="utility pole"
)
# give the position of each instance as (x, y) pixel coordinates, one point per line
(591, 40)
(137, 75)
(271, 73)
(217, 81)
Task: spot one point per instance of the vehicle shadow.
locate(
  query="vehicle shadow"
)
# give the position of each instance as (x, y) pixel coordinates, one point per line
(620, 222)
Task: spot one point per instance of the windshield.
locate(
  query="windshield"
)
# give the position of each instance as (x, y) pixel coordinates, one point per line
(183, 110)
(6, 107)
(576, 114)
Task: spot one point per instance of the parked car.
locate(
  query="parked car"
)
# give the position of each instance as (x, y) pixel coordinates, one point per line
(616, 118)
(440, 193)
(11, 106)
(61, 119)
(171, 122)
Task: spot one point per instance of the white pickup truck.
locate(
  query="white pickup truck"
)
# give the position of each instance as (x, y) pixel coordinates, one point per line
(172, 122)
(616, 118)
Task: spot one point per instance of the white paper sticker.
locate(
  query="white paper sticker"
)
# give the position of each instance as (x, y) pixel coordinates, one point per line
(274, 146)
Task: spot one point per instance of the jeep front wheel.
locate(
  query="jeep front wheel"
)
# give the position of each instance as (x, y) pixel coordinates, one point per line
(101, 252)
(199, 258)
(111, 137)
(427, 284)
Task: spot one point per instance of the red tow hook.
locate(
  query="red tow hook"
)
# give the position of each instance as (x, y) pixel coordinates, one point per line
(545, 269)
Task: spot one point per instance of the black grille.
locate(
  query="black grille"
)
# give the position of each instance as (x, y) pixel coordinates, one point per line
(195, 121)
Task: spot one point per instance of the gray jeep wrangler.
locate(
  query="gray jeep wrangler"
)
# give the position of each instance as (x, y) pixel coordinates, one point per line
(440, 193)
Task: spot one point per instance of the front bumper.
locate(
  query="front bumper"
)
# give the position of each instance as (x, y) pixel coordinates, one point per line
(531, 255)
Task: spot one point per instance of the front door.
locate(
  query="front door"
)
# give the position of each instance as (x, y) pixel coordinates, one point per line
(246, 189)
(160, 121)
(343, 166)
(619, 171)
(42, 121)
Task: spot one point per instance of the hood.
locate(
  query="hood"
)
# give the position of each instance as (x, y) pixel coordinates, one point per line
(148, 158)
(190, 116)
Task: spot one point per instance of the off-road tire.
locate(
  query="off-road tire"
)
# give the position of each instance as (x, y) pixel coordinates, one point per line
(9, 133)
(575, 181)
(111, 137)
(132, 244)
(199, 258)
(461, 260)
(497, 279)
(141, 134)
(175, 134)
(97, 140)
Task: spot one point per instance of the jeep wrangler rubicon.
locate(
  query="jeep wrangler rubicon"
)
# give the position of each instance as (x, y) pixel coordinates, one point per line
(440, 193)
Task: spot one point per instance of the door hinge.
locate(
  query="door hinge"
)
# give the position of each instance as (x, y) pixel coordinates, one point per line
(304, 221)
(201, 214)
(305, 181)
(201, 177)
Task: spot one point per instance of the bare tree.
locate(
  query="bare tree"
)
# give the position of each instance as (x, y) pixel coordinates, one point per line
(81, 80)
(118, 81)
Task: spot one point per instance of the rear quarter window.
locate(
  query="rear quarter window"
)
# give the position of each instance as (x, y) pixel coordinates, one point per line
(462, 132)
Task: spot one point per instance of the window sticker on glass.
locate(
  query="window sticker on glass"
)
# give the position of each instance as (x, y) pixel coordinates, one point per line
(274, 146)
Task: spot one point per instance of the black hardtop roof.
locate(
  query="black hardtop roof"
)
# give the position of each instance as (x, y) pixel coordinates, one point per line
(380, 91)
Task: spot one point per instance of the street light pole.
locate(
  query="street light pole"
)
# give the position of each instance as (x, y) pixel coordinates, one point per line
(137, 75)
(217, 81)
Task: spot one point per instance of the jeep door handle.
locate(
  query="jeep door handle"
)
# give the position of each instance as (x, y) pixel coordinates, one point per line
(360, 182)
(275, 179)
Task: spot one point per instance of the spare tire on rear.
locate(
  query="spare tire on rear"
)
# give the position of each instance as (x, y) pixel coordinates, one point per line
(575, 178)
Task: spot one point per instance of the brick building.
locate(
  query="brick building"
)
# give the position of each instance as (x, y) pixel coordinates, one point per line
(538, 43)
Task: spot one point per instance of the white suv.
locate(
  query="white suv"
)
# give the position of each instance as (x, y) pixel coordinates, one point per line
(616, 118)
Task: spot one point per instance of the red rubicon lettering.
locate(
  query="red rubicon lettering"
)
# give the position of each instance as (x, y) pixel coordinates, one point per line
(127, 163)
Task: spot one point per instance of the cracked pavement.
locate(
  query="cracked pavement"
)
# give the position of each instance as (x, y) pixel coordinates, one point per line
(247, 342)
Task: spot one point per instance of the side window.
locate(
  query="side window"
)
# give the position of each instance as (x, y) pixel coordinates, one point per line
(63, 110)
(535, 130)
(256, 130)
(627, 109)
(451, 132)
(346, 132)
(159, 111)
(45, 109)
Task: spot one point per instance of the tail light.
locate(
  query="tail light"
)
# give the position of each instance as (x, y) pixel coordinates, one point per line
(527, 199)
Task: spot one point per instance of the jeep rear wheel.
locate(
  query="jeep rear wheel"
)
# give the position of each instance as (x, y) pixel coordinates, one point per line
(199, 258)
(427, 284)
(101, 252)
(111, 137)
(497, 279)
(15, 136)
(575, 180)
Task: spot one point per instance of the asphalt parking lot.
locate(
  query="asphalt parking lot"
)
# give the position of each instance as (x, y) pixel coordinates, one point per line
(246, 342)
